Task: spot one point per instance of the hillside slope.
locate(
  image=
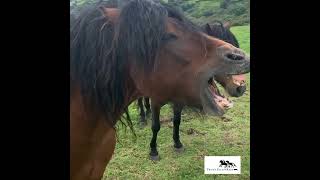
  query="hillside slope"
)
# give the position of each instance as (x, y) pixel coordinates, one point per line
(201, 11)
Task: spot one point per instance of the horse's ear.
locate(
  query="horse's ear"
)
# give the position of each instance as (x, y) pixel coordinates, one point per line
(227, 25)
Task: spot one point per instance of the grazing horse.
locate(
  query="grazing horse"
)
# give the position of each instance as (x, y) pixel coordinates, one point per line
(233, 84)
(119, 55)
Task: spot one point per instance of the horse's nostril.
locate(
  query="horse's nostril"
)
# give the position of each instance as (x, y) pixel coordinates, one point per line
(241, 89)
(234, 57)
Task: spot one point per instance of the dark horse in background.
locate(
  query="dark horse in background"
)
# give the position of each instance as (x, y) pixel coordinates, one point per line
(119, 55)
(234, 85)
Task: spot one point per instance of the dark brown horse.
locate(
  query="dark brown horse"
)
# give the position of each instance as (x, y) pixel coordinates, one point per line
(118, 56)
(233, 84)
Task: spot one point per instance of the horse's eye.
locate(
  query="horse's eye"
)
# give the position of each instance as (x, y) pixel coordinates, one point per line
(169, 37)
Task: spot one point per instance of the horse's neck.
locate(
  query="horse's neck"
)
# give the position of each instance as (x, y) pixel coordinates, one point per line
(133, 93)
(141, 83)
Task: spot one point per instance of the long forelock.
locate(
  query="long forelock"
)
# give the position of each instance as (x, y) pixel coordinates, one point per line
(101, 78)
(141, 28)
(139, 32)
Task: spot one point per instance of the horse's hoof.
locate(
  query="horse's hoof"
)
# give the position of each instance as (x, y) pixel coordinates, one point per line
(155, 158)
(179, 150)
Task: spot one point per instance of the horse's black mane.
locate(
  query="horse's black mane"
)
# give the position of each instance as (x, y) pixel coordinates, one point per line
(100, 50)
(219, 31)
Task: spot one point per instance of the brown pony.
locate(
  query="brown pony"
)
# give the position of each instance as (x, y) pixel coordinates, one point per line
(233, 84)
(147, 41)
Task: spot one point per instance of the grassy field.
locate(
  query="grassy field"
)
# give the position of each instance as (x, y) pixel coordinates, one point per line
(213, 136)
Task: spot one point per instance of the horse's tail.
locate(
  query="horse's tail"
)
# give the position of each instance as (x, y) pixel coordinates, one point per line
(129, 122)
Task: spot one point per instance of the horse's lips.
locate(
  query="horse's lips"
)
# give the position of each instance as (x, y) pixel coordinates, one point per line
(239, 80)
(212, 101)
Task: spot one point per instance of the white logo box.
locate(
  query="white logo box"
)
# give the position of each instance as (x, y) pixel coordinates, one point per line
(222, 165)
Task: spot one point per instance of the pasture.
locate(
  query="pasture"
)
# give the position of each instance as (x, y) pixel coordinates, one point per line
(200, 135)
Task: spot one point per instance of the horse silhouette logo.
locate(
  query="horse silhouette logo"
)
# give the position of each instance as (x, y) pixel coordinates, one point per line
(227, 164)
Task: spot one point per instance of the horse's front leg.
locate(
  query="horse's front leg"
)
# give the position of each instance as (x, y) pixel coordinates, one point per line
(155, 129)
(177, 109)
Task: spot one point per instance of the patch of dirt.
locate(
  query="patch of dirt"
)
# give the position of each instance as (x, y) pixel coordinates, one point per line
(228, 139)
(165, 120)
(200, 155)
(239, 143)
(170, 125)
(225, 119)
(194, 132)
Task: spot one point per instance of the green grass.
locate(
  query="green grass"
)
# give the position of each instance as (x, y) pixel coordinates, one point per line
(217, 136)
(243, 35)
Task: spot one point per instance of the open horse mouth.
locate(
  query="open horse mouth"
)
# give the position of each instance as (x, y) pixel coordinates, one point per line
(213, 102)
(234, 63)
(219, 99)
